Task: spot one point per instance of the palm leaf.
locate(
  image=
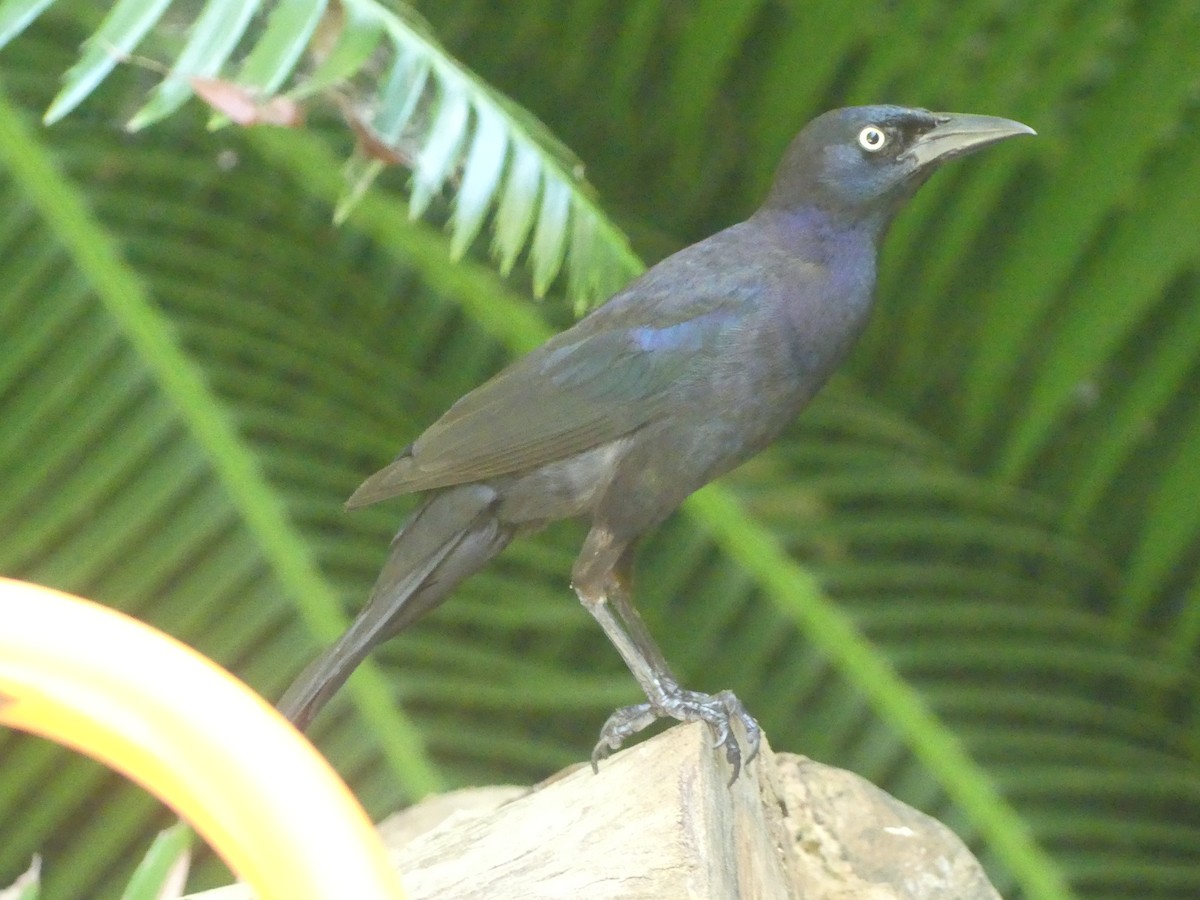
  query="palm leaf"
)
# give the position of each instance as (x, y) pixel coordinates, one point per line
(985, 658)
(405, 91)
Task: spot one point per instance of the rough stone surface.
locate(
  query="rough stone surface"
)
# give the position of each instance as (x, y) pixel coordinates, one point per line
(854, 840)
(661, 821)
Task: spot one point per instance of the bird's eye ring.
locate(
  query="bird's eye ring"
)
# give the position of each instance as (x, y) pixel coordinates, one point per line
(872, 138)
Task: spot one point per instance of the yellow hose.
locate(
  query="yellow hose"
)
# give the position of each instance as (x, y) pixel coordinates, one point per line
(186, 730)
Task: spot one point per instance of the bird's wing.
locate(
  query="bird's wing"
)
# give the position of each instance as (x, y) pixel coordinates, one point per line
(584, 388)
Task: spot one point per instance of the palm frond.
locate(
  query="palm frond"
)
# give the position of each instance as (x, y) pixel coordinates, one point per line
(399, 88)
(1000, 631)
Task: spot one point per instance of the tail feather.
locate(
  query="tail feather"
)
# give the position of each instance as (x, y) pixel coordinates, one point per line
(450, 537)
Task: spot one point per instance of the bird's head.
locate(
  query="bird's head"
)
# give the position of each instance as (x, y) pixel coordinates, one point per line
(862, 162)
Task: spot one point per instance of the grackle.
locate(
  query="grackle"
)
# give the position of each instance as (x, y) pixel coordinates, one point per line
(693, 368)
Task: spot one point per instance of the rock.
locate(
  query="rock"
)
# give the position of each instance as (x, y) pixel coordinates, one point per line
(661, 821)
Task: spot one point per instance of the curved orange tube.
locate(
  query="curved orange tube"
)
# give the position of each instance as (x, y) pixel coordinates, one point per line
(152, 708)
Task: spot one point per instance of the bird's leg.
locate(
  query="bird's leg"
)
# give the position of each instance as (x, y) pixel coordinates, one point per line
(604, 590)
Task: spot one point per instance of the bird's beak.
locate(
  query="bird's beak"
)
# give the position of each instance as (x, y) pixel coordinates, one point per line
(956, 134)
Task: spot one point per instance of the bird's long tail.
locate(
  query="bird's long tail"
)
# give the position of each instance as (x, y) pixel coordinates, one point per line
(449, 538)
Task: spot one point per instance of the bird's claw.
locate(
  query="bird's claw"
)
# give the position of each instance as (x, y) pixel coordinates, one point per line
(717, 711)
(623, 723)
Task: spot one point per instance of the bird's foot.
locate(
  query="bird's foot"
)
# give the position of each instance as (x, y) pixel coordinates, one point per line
(717, 711)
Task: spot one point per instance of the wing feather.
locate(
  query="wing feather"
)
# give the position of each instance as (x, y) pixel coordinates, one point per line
(583, 388)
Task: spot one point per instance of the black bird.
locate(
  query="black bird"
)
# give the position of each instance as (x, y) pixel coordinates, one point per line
(695, 367)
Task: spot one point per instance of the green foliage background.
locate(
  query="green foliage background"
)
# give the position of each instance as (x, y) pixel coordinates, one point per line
(968, 572)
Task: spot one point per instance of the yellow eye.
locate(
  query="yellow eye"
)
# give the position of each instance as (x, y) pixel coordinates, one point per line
(872, 138)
